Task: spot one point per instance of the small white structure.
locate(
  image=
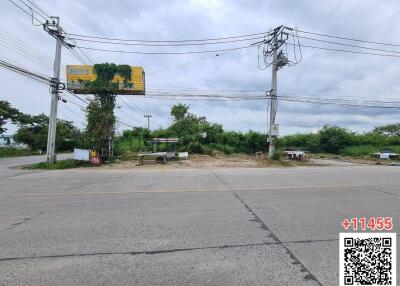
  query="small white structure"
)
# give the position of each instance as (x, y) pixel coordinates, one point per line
(386, 155)
(183, 155)
(295, 155)
(81, 154)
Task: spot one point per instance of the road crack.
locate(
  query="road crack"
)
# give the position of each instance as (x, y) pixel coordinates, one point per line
(24, 220)
(263, 225)
(162, 251)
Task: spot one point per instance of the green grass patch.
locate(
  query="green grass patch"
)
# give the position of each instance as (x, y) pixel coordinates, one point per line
(14, 152)
(367, 150)
(362, 150)
(63, 164)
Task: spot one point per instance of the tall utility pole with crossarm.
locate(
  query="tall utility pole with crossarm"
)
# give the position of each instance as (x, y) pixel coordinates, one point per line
(51, 136)
(273, 93)
(276, 57)
(54, 29)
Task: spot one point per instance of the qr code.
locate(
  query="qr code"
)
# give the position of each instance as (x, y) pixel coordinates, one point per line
(367, 259)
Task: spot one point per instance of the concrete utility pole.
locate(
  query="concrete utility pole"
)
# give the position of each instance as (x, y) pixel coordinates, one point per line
(273, 94)
(148, 120)
(51, 136)
(271, 46)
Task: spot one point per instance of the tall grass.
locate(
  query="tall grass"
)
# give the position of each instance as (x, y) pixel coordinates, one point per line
(13, 152)
(62, 164)
(362, 150)
(367, 150)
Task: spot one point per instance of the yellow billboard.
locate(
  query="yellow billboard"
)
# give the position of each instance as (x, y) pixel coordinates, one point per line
(77, 75)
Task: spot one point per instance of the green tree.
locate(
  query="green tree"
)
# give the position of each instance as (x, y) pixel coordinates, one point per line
(179, 111)
(388, 130)
(34, 134)
(7, 112)
(333, 139)
(100, 111)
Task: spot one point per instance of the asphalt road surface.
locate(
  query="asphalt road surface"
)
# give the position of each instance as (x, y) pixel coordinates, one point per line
(261, 226)
(28, 160)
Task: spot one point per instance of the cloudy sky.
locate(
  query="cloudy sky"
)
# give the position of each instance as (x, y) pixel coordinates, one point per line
(320, 74)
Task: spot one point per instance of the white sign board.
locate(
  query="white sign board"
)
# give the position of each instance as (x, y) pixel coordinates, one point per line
(81, 154)
(274, 129)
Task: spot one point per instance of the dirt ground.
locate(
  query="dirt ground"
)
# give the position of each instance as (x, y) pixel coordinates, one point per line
(205, 161)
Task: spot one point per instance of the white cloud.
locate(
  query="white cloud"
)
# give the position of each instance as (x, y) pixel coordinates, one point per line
(321, 73)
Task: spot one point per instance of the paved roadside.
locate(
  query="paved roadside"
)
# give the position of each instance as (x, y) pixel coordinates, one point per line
(27, 160)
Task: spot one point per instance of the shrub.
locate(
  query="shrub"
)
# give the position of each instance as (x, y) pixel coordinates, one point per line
(13, 152)
(277, 156)
(197, 148)
(361, 150)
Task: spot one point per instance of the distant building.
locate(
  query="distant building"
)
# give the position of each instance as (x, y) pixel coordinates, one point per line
(8, 141)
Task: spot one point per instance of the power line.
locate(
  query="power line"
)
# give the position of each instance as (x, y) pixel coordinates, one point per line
(33, 10)
(225, 38)
(23, 71)
(343, 100)
(339, 104)
(132, 108)
(71, 110)
(82, 108)
(166, 41)
(242, 47)
(246, 94)
(41, 10)
(283, 98)
(22, 9)
(349, 45)
(124, 123)
(332, 101)
(24, 51)
(70, 119)
(76, 96)
(25, 54)
(166, 44)
(86, 55)
(136, 106)
(168, 53)
(77, 56)
(130, 115)
(348, 39)
(26, 46)
(87, 102)
(183, 64)
(348, 51)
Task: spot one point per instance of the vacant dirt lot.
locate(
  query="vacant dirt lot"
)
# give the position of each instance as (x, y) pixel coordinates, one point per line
(222, 161)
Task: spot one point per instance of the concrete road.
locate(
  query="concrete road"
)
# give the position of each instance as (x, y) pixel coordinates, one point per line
(27, 160)
(266, 226)
(10, 167)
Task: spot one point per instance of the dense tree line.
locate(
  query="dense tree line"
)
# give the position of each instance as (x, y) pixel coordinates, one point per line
(33, 129)
(197, 135)
(336, 140)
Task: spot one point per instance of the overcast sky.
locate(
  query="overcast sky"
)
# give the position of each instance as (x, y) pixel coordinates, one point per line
(320, 74)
